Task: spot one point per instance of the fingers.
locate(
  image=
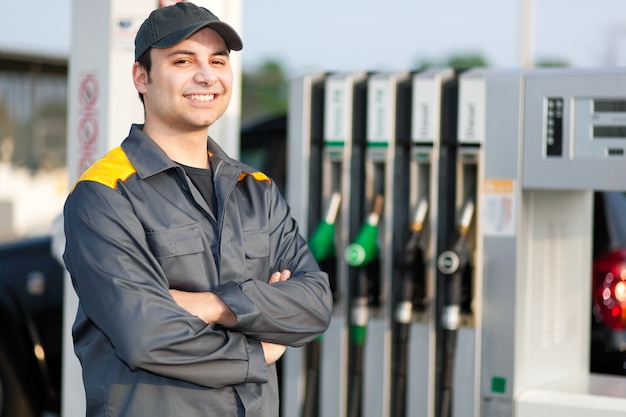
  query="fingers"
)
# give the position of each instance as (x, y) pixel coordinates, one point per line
(283, 275)
(272, 351)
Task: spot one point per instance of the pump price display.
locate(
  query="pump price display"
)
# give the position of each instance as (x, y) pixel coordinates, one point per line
(609, 132)
(613, 120)
(609, 106)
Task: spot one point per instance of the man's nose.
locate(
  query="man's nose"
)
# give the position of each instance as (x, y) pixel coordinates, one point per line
(206, 75)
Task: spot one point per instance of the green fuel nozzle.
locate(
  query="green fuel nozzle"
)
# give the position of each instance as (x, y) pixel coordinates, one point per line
(322, 241)
(365, 247)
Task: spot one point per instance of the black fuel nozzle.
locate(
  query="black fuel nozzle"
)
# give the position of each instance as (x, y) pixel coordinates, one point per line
(453, 260)
(453, 263)
(410, 263)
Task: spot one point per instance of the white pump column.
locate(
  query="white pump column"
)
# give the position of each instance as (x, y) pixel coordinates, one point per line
(102, 105)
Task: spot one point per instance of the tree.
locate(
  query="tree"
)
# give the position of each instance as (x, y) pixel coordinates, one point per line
(458, 62)
(264, 91)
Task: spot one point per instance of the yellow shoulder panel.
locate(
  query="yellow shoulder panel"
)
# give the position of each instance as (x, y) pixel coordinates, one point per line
(259, 176)
(114, 167)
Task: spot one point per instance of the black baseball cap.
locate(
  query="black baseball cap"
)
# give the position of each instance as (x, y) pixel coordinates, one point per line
(170, 25)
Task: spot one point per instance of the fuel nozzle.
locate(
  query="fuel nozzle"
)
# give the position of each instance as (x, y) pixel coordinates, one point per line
(453, 260)
(410, 262)
(411, 250)
(365, 247)
(322, 241)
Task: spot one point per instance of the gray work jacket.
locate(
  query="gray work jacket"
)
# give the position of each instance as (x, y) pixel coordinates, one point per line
(135, 227)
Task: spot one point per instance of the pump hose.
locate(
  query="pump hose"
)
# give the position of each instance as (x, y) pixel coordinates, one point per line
(358, 336)
(311, 397)
(402, 332)
(362, 254)
(410, 264)
(450, 341)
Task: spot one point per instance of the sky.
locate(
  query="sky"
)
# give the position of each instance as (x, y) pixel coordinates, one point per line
(373, 35)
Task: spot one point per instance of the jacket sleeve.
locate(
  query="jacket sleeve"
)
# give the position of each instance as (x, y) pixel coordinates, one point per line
(124, 292)
(291, 312)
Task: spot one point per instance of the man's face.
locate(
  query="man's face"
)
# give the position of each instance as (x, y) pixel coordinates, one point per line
(189, 85)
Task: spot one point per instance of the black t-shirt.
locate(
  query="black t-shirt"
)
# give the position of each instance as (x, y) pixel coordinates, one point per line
(202, 178)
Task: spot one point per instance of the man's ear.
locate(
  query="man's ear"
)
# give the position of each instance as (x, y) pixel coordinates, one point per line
(140, 78)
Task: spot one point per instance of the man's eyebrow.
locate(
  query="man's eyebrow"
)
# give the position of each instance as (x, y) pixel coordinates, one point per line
(220, 52)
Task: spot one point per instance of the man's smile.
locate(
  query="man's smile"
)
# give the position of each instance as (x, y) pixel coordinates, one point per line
(201, 97)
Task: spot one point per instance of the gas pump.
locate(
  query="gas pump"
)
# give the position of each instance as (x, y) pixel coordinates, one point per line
(551, 137)
(370, 255)
(422, 125)
(326, 130)
(306, 96)
(456, 347)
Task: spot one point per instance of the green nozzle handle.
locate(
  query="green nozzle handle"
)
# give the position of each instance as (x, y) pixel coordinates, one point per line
(364, 248)
(322, 242)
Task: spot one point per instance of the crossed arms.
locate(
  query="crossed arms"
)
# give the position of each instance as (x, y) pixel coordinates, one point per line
(211, 309)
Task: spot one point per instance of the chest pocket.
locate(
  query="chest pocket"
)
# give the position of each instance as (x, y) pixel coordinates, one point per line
(180, 253)
(257, 251)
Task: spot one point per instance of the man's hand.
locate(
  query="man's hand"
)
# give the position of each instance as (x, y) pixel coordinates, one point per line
(272, 352)
(283, 275)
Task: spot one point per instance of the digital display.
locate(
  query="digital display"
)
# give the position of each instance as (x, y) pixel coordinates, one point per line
(609, 132)
(609, 106)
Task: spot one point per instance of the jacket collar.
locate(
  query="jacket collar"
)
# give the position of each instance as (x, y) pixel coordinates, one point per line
(149, 159)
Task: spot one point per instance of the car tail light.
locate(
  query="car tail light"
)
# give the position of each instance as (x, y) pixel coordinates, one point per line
(609, 289)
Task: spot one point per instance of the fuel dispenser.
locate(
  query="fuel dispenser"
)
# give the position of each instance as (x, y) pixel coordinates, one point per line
(370, 256)
(304, 124)
(456, 213)
(549, 139)
(422, 126)
(457, 270)
(326, 136)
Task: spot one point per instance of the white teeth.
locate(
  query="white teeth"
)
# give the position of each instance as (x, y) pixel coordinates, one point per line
(202, 97)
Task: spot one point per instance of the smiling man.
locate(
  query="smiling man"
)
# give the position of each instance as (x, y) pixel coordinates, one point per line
(192, 276)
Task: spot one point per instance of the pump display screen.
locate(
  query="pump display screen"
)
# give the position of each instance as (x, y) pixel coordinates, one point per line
(609, 120)
(609, 106)
(609, 132)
